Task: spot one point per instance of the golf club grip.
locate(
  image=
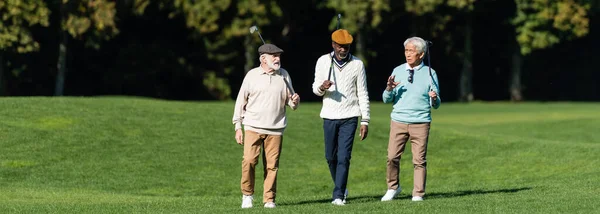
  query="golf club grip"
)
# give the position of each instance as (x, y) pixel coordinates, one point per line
(330, 69)
(430, 87)
(431, 83)
(431, 101)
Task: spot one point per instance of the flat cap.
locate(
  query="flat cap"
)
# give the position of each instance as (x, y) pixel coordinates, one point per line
(341, 37)
(269, 49)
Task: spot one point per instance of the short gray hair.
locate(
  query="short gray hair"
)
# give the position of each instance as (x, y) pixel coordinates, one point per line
(417, 42)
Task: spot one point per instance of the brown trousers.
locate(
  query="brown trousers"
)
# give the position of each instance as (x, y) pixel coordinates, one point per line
(252, 148)
(399, 135)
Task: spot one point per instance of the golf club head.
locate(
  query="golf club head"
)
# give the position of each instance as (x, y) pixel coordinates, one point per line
(253, 28)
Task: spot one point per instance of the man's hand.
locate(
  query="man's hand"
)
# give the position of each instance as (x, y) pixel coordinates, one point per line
(433, 95)
(364, 131)
(326, 84)
(390, 83)
(239, 136)
(295, 98)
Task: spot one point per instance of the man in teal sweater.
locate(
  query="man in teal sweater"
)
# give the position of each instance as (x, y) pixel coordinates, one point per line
(413, 89)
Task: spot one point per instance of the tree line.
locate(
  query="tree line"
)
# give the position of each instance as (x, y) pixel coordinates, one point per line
(199, 50)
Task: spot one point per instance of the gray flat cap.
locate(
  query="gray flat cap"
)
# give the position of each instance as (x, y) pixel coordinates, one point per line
(269, 49)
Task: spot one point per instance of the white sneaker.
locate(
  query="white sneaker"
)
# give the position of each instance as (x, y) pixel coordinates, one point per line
(390, 194)
(417, 198)
(270, 205)
(338, 202)
(247, 201)
(345, 196)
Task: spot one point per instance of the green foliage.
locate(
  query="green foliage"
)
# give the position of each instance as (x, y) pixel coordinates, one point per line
(421, 7)
(217, 86)
(93, 20)
(202, 15)
(16, 19)
(225, 18)
(251, 12)
(543, 23)
(461, 4)
(432, 8)
(357, 11)
(217, 23)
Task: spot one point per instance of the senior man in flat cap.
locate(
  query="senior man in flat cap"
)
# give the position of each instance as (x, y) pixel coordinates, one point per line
(340, 78)
(260, 111)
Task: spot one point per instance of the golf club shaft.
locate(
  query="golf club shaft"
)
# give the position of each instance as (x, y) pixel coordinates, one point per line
(289, 86)
(430, 74)
(255, 29)
(331, 67)
(261, 38)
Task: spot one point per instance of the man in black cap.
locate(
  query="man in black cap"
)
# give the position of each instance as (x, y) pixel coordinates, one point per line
(260, 108)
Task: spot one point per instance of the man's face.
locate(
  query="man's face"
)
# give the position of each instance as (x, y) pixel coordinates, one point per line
(273, 61)
(412, 55)
(341, 51)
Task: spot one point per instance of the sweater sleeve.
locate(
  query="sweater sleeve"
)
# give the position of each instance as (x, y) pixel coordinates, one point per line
(436, 88)
(388, 96)
(240, 105)
(320, 76)
(363, 96)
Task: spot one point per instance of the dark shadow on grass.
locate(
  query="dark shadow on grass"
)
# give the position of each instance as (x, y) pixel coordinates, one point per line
(431, 196)
(473, 192)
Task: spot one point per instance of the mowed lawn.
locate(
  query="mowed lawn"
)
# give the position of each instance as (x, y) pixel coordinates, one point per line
(137, 155)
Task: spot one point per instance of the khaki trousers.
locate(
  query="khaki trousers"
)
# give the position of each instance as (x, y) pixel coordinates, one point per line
(399, 135)
(252, 147)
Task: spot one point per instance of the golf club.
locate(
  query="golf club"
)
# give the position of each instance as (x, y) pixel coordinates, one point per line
(339, 16)
(255, 29)
(287, 84)
(431, 83)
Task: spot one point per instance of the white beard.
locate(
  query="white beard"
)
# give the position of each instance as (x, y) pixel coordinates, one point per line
(273, 65)
(342, 56)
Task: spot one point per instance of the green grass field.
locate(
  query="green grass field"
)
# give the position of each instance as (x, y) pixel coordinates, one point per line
(134, 155)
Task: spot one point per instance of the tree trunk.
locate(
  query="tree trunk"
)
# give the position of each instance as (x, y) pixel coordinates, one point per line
(466, 74)
(515, 88)
(61, 66)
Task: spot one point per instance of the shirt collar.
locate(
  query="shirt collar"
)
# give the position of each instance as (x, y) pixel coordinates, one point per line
(416, 68)
(272, 73)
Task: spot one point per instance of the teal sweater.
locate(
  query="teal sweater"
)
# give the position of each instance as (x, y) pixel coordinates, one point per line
(411, 100)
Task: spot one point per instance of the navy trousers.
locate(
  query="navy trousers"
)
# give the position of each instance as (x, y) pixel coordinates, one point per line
(339, 138)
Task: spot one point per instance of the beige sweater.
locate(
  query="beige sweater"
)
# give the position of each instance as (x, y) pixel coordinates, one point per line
(260, 104)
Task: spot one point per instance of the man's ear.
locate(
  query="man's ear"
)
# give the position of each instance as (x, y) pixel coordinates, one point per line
(422, 55)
